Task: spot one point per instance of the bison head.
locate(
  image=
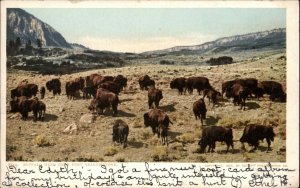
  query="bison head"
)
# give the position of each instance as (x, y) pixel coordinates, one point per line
(202, 143)
(13, 93)
(146, 120)
(172, 84)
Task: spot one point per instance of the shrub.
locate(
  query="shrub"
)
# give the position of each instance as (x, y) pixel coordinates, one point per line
(110, 151)
(160, 153)
(41, 141)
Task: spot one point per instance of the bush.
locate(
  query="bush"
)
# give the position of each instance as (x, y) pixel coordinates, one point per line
(42, 141)
(110, 151)
(160, 153)
(220, 60)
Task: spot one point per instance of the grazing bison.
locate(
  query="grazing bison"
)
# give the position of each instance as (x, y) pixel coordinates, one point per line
(253, 133)
(121, 81)
(179, 84)
(111, 86)
(89, 91)
(250, 83)
(54, 85)
(272, 88)
(212, 95)
(199, 110)
(213, 134)
(145, 82)
(25, 105)
(73, 87)
(155, 118)
(154, 96)
(120, 132)
(27, 90)
(42, 92)
(105, 99)
(198, 83)
(239, 93)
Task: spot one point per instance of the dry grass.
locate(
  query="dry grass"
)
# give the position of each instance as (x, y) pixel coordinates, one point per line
(93, 139)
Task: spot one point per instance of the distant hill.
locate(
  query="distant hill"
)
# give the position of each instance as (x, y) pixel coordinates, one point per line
(272, 39)
(26, 26)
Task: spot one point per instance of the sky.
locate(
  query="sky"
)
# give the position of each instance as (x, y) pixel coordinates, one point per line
(145, 29)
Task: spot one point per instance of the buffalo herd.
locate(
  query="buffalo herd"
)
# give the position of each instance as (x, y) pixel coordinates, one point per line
(103, 91)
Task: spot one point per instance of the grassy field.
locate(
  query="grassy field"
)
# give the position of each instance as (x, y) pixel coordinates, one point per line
(92, 141)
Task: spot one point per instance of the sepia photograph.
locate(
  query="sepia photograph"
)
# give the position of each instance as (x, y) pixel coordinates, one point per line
(157, 84)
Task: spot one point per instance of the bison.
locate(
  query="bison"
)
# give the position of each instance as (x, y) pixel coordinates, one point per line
(105, 99)
(121, 81)
(120, 132)
(253, 133)
(179, 84)
(73, 87)
(272, 88)
(154, 96)
(250, 83)
(27, 90)
(89, 91)
(213, 134)
(25, 105)
(239, 93)
(212, 95)
(198, 83)
(199, 110)
(111, 86)
(145, 82)
(42, 92)
(156, 118)
(41, 110)
(54, 85)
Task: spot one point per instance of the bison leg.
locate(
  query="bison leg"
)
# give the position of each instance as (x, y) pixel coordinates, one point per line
(150, 103)
(269, 143)
(156, 104)
(115, 110)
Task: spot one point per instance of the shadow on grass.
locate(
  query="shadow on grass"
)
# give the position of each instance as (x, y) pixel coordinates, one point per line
(168, 108)
(135, 144)
(210, 120)
(121, 113)
(50, 117)
(252, 105)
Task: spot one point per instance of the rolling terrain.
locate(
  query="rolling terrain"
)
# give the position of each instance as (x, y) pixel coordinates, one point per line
(91, 139)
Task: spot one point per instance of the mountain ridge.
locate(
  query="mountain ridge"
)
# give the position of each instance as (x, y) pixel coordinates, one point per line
(28, 27)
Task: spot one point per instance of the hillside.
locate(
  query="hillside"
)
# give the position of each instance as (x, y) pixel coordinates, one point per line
(93, 141)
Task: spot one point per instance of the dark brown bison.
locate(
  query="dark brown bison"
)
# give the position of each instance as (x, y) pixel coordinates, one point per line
(154, 96)
(42, 92)
(156, 118)
(239, 93)
(120, 132)
(146, 82)
(73, 87)
(27, 90)
(253, 133)
(179, 84)
(121, 81)
(54, 85)
(198, 83)
(199, 110)
(81, 81)
(250, 83)
(272, 88)
(111, 86)
(25, 105)
(89, 91)
(212, 95)
(105, 99)
(213, 134)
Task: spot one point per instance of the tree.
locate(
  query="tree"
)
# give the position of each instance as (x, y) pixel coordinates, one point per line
(18, 42)
(28, 44)
(39, 43)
